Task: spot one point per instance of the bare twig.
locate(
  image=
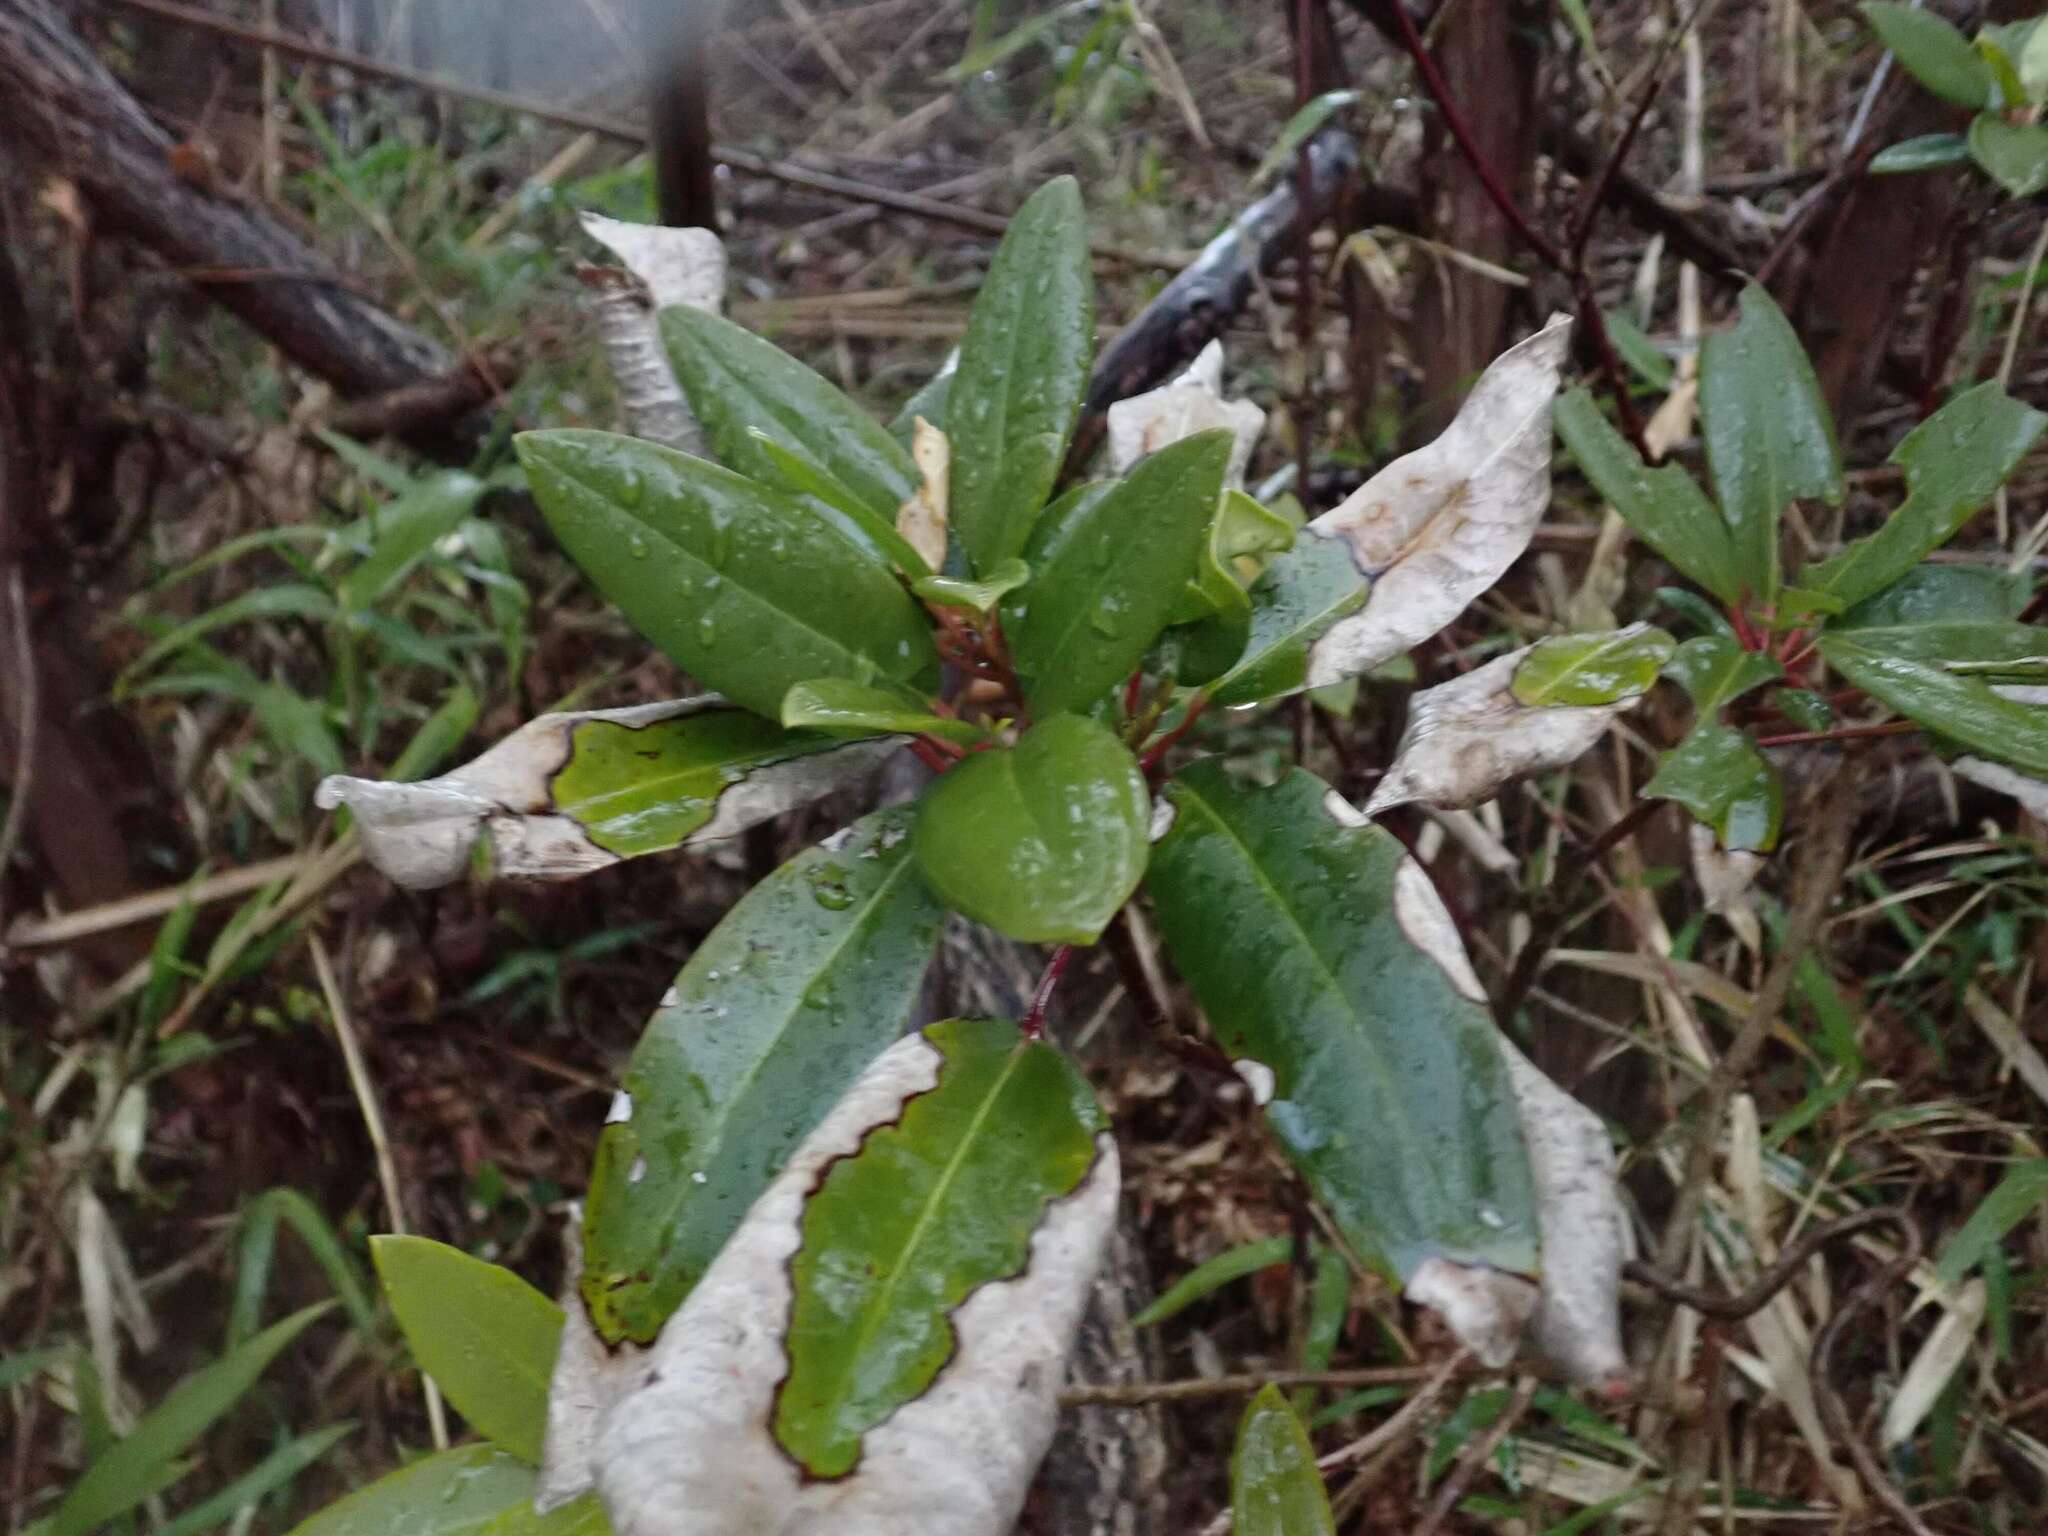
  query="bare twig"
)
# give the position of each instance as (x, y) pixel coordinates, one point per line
(1140, 1394)
(1476, 1457)
(26, 700)
(1753, 1298)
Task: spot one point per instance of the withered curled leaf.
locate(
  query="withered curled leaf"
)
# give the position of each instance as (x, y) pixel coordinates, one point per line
(1437, 527)
(1190, 403)
(569, 793)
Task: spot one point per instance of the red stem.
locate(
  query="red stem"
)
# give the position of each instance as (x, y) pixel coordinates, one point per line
(1033, 1027)
(1158, 750)
(1839, 733)
(930, 755)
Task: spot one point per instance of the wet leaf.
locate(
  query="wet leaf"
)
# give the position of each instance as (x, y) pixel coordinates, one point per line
(791, 471)
(839, 708)
(1293, 604)
(744, 587)
(1930, 594)
(979, 596)
(583, 1516)
(1190, 403)
(1926, 152)
(878, 1349)
(1718, 774)
(803, 982)
(1023, 370)
(1932, 51)
(1953, 461)
(134, 1468)
(1042, 841)
(1437, 527)
(1275, 1488)
(1468, 737)
(1319, 950)
(566, 794)
(1910, 669)
(752, 397)
(1664, 506)
(486, 1337)
(1109, 563)
(455, 1493)
(1716, 671)
(2015, 155)
(1769, 439)
(1210, 1276)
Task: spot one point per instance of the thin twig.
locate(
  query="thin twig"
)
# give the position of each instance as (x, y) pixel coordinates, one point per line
(380, 1143)
(1144, 1393)
(1455, 1486)
(1753, 1298)
(25, 750)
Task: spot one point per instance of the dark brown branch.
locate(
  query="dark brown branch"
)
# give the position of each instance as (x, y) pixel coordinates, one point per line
(430, 405)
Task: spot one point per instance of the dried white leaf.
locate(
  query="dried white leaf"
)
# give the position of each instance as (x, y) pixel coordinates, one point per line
(423, 834)
(679, 266)
(1426, 921)
(588, 1378)
(1191, 403)
(1468, 737)
(1727, 881)
(667, 266)
(1487, 1310)
(689, 1451)
(922, 519)
(1437, 527)
(1947, 1347)
(2032, 794)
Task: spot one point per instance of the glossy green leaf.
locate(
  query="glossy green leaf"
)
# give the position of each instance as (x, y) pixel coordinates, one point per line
(405, 528)
(1664, 506)
(1315, 955)
(1933, 594)
(1306, 123)
(2015, 155)
(486, 1337)
(1108, 570)
(579, 1517)
(1042, 841)
(1718, 774)
(2010, 91)
(840, 708)
(1591, 669)
(1300, 595)
(742, 586)
(273, 1472)
(131, 1469)
(1211, 622)
(1964, 708)
(1806, 709)
(1932, 51)
(980, 596)
(1023, 370)
(1954, 645)
(789, 469)
(638, 789)
(1716, 671)
(1953, 462)
(929, 401)
(1769, 438)
(1645, 358)
(1275, 1488)
(1927, 152)
(752, 396)
(930, 1209)
(1210, 1276)
(779, 1009)
(453, 1493)
(2021, 1193)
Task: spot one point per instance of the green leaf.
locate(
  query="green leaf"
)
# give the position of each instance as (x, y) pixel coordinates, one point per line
(777, 1012)
(980, 596)
(1275, 1488)
(644, 789)
(929, 401)
(1301, 594)
(1930, 594)
(840, 708)
(288, 600)
(1718, 774)
(1965, 709)
(486, 1337)
(1042, 841)
(405, 529)
(1932, 52)
(1643, 356)
(790, 470)
(1953, 645)
(131, 1470)
(1023, 370)
(2015, 155)
(1664, 506)
(1953, 461)
(1303, 935)
(256, 1246)
(439, 735)
(1591, 669)
(740, 585)
(2012, 92)
(1769, 439)
(15, 1369)
(2032, 53)
(929, 1209)
(1108, 564)
(1306, 123)
(1928, 152)
(273, 1472)
(454, 1493)
(2021, 1193)
(579, 1517)
(1716, 671)
(752, 397)
(1806, 709)
(1212, 1275)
